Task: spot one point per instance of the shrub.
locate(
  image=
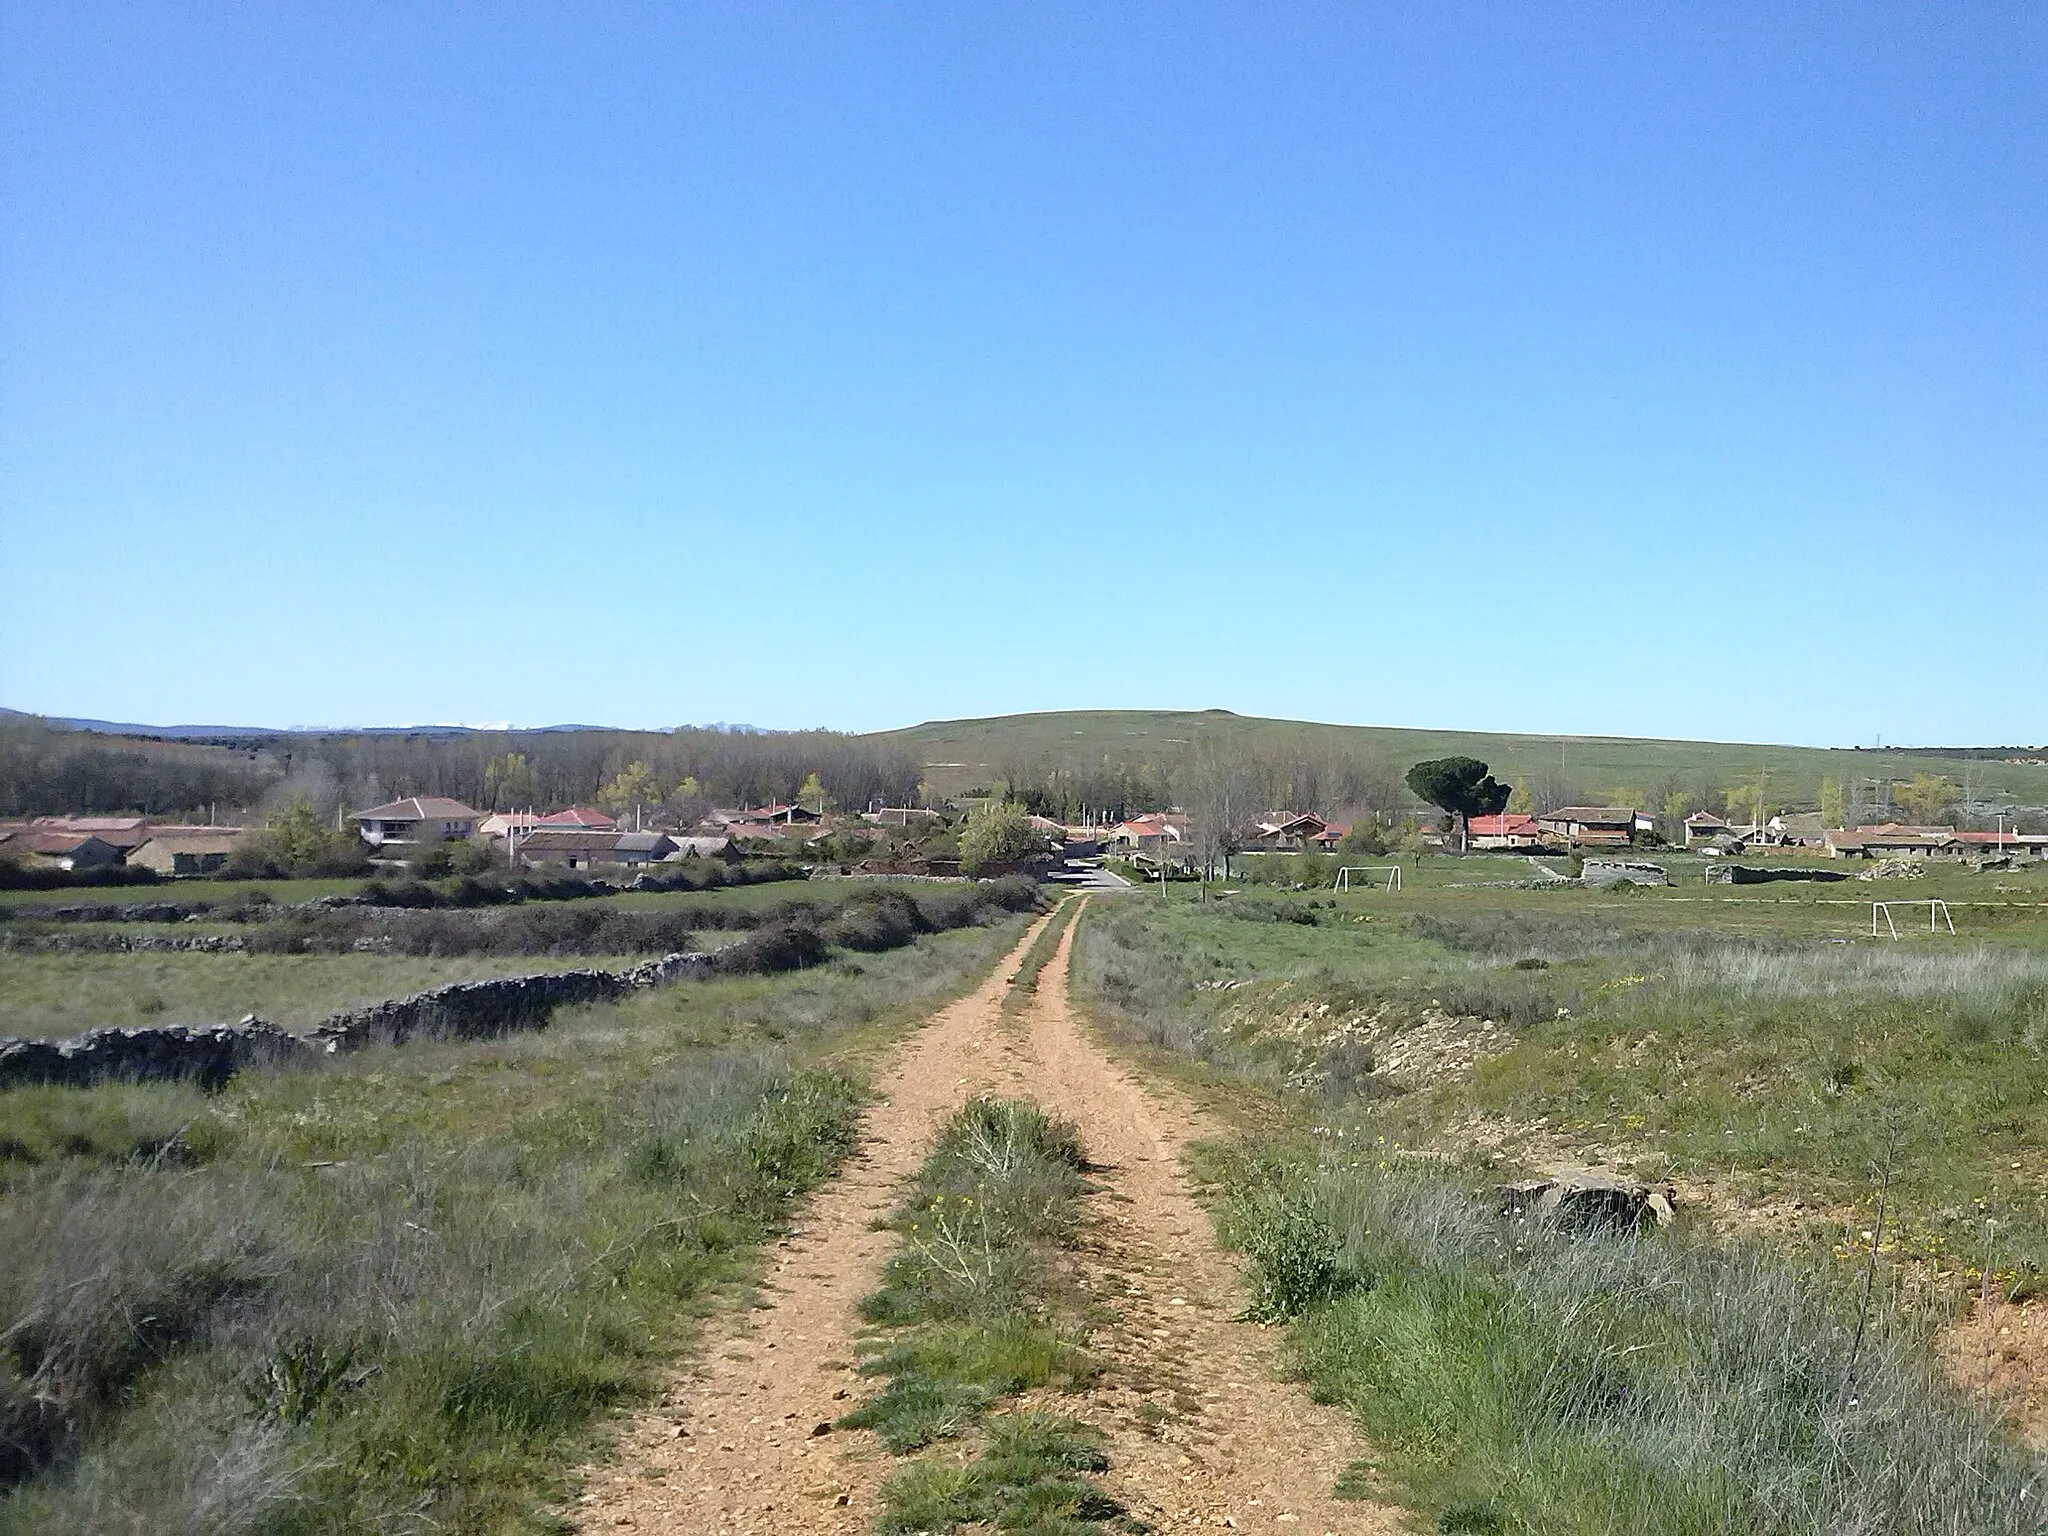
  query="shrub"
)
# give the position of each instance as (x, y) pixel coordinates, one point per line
(789, 945)
(876, 920)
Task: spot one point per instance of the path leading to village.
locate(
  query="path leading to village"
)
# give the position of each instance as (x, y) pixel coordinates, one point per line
(1203, 1433)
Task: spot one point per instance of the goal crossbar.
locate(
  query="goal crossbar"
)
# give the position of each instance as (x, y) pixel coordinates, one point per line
(1937, 915)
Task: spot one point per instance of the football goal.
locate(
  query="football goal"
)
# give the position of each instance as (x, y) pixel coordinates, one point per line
(1391, 871)
(1937, 915)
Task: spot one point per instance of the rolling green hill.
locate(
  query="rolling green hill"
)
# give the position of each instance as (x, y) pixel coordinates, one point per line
(960, 754)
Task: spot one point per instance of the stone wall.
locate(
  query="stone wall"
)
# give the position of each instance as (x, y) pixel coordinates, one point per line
(210, 1054)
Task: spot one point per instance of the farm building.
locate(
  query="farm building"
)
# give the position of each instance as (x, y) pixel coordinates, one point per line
(63, 850)
(1596, 826)
(2031, 845)
(187, 850)
(420, 819)
(898, 815)
(723, 849)
(575, 848)
(124, 834)
(1893, 841)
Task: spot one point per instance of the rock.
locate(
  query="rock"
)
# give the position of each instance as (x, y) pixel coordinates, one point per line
(1585, 1202)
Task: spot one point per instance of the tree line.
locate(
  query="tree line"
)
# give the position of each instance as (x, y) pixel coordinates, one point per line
(48, 771)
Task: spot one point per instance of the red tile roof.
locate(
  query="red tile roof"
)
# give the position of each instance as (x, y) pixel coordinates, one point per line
(578, 816)
(1501, 826)
(419, 808)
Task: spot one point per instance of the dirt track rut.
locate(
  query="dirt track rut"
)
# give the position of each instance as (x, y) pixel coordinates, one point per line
(1203, 1435)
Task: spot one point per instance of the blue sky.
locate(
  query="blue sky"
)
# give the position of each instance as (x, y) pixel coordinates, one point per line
(1668, 371)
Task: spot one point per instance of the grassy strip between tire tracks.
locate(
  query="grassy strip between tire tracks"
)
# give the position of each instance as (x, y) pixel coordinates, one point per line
(973, 1310)
(1024, 985)
(404, 1292)
(1522, 1378)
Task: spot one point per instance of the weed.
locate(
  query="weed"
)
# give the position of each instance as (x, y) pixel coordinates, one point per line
(1520, 1378)
(974, 1314)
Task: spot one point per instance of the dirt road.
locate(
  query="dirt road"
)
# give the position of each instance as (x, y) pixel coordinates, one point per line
(1203, 1436)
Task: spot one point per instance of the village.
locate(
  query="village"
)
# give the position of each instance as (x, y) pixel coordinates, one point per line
(922, 840)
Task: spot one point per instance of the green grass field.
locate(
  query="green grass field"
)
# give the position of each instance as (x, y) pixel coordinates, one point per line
(1758, 1044)
(1399, 1056)
(402, 1291)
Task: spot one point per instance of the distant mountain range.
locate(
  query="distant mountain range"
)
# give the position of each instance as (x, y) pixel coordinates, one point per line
(247, 732)
(204, 733)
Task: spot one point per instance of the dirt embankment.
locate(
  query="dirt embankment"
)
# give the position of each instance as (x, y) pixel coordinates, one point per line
(1203, 1434)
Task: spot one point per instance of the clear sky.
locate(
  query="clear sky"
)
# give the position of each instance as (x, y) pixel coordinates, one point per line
(1587, 368)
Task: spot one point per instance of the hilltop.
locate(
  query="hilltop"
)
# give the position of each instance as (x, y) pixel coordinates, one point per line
(959, 754)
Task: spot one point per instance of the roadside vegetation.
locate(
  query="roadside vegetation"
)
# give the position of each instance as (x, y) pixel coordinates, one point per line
(975, 1309)
(403, 1291)
(1856, 1130)
(1513, 1376)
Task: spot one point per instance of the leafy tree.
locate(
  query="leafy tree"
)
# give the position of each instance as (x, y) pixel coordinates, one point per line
(1745, 802)
(300, 835)
(1460, 786)
(812, 796)
(1364, 838)
(1926, 797)
(633, 788)
(508, 782)
(998, 833)
(297, 841)
(1832, 803)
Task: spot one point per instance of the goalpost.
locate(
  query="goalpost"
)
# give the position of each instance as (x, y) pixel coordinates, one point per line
(1937, 914)
(1391, 871)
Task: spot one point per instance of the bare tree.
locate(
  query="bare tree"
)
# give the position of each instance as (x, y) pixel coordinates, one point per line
(1225, 794)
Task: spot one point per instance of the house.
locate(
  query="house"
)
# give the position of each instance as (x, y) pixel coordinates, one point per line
(579, 818)
(1592, 826)
(420, 819)
(503, 824)
(187, 850)
(1333, 833)
(64, 850)
(1802, 829)
(124, 834)
(1507, 830)
(1288, 832)
(1703, 827)
(579, 848)
(1150, 834)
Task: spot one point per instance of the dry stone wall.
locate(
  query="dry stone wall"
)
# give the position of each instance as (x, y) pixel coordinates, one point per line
(210, 1054)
